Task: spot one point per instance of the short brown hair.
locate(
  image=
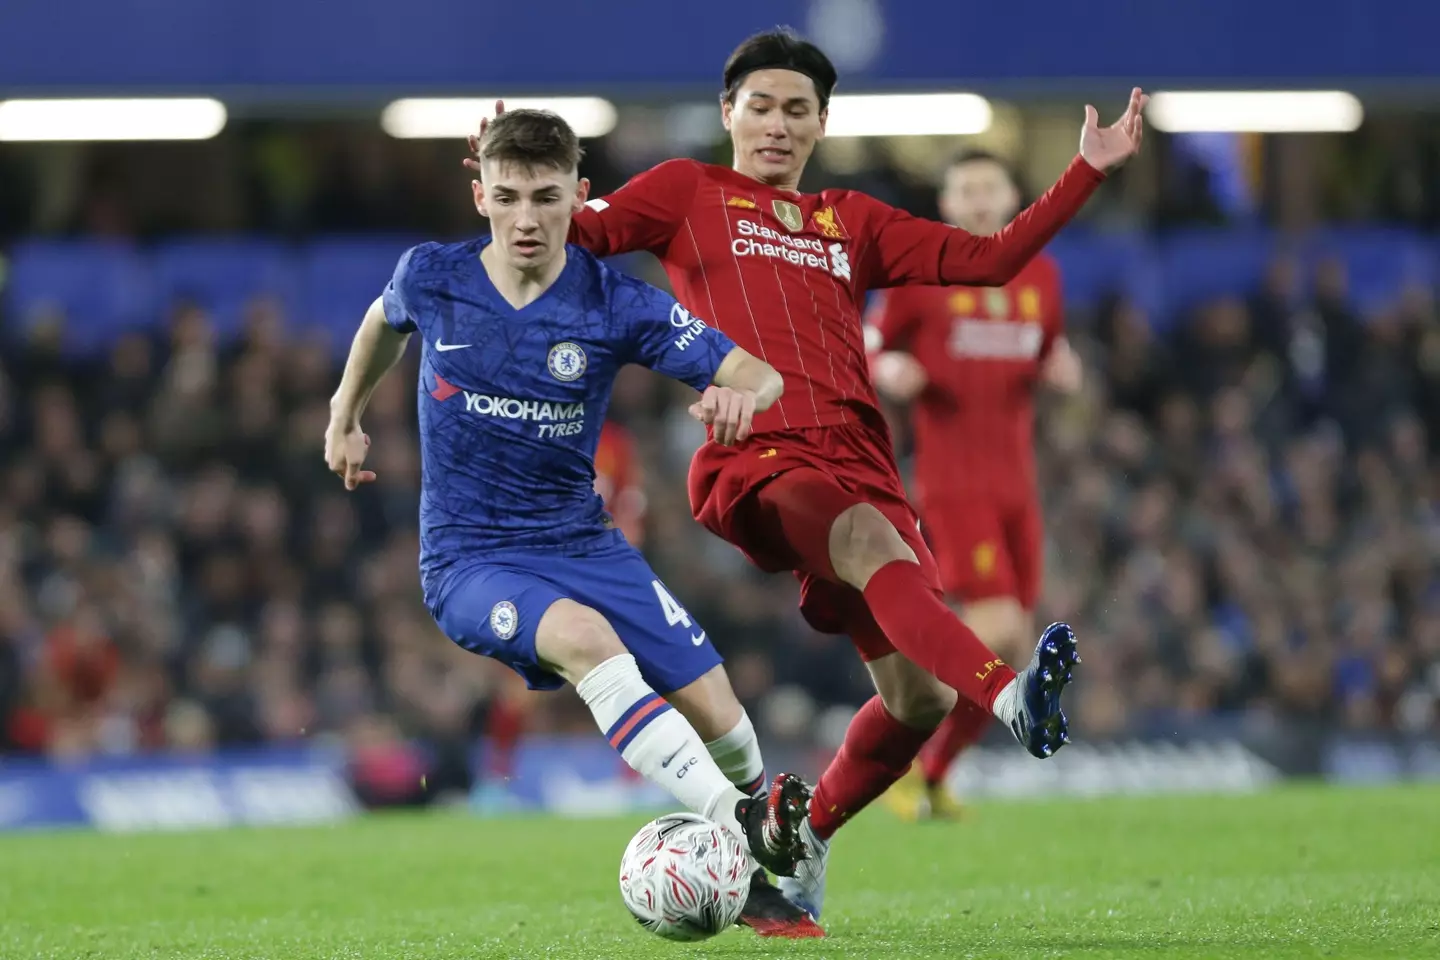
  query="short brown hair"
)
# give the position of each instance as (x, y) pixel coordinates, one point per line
(532, 139)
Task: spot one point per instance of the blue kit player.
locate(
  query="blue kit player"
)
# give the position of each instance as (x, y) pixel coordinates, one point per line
(522, 338)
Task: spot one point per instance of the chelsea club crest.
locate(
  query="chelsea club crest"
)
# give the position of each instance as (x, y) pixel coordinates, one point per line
(504, 619)
(566, 361)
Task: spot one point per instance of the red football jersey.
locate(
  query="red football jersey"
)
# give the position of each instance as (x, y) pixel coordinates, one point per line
(982, 350)
(784, 274)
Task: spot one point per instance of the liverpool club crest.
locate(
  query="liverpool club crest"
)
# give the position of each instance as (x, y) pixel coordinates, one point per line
(789, 214)
(825, 222)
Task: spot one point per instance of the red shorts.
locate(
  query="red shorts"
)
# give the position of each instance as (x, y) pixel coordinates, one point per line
(987, 546)
(860, 462)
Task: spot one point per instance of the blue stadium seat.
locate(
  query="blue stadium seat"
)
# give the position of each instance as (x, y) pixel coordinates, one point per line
(224, 275)
(1206, 264)
(105, 287)
(1095, 266)
(102, 286)
(1203, 264)
(1380, 262)
(340, 277)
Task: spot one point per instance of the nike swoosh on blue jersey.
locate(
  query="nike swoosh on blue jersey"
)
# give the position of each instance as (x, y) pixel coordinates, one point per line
(443, 347)
(698, 640)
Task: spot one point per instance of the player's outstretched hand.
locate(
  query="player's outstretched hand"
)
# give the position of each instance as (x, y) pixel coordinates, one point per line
(1106, 148)
(473, 161)
(1062, 369)
(729, 411)
(345, 449)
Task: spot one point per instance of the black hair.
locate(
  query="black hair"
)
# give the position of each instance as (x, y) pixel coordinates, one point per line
(779, 49)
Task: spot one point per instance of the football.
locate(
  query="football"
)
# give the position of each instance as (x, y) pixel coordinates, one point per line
(684, 877)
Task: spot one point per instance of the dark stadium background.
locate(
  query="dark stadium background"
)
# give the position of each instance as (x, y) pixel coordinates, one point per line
(1241, 504)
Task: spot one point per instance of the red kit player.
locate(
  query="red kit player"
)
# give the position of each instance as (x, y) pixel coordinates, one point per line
(620, 481)
(815, 489)
(968, 361)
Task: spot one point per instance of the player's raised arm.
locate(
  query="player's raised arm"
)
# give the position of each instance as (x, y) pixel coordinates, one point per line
(909, 249)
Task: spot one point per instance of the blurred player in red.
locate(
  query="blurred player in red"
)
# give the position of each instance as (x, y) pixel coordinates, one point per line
(620, 480)
(815, 488)
(969, 360)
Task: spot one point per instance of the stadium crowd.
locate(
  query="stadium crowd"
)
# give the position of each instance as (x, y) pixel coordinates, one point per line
(1240, 518)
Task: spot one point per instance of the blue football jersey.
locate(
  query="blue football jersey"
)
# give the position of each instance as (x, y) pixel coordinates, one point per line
(511, 402)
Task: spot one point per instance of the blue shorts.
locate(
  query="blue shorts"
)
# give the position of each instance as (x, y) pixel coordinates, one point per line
(494, 607)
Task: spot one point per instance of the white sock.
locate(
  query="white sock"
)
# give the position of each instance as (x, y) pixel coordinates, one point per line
(1007, 701)
(737, 754)
(657, 741)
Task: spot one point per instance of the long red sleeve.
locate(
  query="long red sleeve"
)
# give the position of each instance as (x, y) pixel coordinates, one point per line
(911, 250)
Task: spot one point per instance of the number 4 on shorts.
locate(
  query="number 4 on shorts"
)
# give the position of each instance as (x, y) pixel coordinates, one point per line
(674, 613)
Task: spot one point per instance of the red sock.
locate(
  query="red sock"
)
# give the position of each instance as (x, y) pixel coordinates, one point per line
(964, 725)
(877, 751)
(920, 626)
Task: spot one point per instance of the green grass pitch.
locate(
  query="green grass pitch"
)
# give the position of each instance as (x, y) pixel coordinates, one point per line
(1300, 872)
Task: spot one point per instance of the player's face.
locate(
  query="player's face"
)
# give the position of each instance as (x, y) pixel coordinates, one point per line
(979, 196)
(529, 210)
(774, 124)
